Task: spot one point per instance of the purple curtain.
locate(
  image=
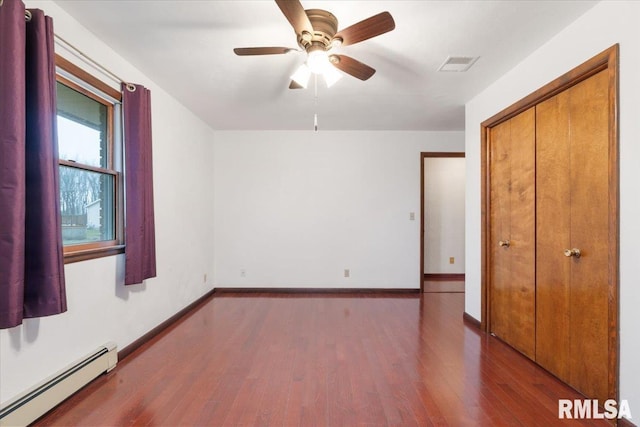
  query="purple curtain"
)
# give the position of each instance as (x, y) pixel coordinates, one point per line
(140, 240)
(31, 253)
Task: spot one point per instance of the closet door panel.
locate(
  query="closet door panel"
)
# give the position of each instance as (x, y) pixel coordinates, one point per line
(572, 213)
(512, 212)
(500, 203)
(522, 239)
(553, 205)
(590, 233)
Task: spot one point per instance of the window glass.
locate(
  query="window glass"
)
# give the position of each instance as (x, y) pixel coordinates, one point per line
(82, 128)
(87, 205)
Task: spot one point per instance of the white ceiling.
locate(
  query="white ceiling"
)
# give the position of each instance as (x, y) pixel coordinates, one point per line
(187, 48)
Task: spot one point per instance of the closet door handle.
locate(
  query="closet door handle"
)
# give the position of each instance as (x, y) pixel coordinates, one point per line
(504, 243)
(575, 252)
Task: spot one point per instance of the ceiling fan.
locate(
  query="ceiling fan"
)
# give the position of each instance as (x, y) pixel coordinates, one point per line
(317, 33)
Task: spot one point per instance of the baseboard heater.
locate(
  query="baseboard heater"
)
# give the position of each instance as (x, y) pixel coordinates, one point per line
(40, 399)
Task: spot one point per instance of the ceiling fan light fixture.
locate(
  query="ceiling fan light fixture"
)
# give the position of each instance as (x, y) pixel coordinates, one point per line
(331, 76)
(301, 76)
(318, 61)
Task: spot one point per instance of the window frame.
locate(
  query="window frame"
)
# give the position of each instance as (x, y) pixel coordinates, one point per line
(93, 250)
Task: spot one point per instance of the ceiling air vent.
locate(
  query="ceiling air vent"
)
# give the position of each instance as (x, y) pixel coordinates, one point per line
(458, 63)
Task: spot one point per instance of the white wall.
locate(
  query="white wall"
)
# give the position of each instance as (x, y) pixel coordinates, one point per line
(609, 22)
(294, 209)
(101, 309)
(444, 214)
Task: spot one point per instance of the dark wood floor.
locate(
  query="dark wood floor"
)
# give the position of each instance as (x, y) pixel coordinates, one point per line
(443, 286)
(322, 359)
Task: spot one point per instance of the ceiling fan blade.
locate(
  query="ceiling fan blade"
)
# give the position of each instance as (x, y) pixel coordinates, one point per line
(243, 51)
(353, 67)
(295, 85)
(370, 27)
(295, 14)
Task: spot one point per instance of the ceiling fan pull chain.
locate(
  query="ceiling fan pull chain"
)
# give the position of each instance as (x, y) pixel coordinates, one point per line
(315, 115)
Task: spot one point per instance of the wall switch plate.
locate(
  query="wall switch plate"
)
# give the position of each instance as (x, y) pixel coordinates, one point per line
(347, 272)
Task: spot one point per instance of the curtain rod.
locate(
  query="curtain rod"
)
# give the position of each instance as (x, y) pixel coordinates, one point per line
(86, 58)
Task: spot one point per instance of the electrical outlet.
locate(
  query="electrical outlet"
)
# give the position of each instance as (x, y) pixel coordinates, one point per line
(205, 278)
(412, 216)
(243, 273)
(452, 260)
(347, 272)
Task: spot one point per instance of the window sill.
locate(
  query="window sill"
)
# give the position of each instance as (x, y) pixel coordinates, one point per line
(94, 253)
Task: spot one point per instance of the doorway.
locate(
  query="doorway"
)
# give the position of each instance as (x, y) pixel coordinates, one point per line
(442, 214)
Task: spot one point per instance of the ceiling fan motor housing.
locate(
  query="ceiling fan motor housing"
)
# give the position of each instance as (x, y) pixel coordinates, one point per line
(325, 26)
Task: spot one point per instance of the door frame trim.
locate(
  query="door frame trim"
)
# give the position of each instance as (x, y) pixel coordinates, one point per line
(606, 60)
(424, 155)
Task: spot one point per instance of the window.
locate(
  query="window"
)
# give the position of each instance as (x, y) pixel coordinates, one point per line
(89, 148)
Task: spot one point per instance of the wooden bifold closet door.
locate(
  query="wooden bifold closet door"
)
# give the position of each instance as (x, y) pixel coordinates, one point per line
(551, 227)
